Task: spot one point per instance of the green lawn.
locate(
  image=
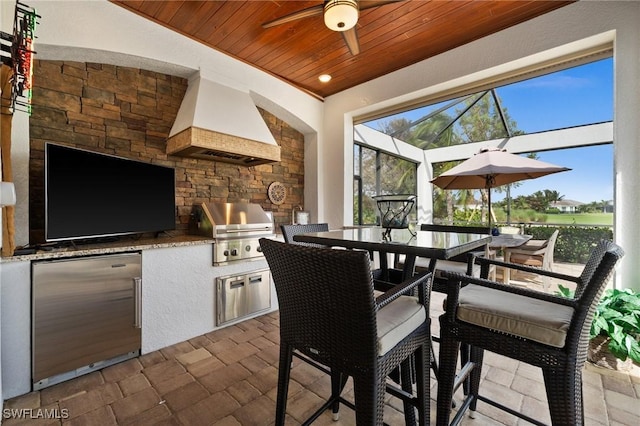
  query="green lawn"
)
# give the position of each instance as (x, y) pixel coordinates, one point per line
(530, 216)
(581, 218)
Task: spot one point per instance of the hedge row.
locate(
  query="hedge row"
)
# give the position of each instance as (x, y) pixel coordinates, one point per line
(574, 243)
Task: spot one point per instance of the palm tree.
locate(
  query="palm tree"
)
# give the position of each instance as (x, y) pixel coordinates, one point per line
(553, 196)
(478, 117)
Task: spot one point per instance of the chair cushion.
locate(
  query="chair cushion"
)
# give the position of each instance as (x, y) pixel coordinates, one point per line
(397, 320)
(422, 264)
(533, 319)
(451, 266)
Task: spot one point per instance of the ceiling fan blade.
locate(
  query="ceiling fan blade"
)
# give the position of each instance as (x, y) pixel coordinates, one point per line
(304, 13)
(369, 4)
(351, 38)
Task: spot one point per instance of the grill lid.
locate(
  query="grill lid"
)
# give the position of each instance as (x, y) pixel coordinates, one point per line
(226, 220)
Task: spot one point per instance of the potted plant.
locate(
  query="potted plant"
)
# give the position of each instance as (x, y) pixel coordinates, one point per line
(615, 331)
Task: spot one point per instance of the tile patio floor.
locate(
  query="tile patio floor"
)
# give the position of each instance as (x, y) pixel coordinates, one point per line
(229, 376)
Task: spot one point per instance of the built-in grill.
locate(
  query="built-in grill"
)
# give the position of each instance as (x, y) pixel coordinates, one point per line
(236, 229)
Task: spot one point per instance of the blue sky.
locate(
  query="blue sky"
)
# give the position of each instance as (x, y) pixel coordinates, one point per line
(591, 177)
(572, 97)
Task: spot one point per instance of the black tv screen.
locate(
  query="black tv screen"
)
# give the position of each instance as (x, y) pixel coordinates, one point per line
(91, 195)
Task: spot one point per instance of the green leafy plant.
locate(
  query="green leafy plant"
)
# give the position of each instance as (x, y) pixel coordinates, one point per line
(617, 316)
(565, 292)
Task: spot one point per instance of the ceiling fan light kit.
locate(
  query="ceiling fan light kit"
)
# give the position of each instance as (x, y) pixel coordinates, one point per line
(340, 15)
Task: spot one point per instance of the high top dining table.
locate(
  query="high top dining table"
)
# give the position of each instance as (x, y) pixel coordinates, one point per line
(429, 244)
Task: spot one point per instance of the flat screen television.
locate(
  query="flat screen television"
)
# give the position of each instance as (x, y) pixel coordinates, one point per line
(90, 195)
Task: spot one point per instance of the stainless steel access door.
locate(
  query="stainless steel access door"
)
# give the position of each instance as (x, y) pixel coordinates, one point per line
(241, 295)
(85, 310)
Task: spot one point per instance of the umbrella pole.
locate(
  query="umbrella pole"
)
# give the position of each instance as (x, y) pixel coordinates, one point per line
(489, 207)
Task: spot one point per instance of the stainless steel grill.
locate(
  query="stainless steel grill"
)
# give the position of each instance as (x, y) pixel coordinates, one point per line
(236, 229)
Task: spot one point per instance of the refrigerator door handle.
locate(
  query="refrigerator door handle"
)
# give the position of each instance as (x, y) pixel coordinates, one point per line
(137, 290)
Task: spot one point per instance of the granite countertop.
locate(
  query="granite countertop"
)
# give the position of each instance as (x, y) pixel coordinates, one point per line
(123, 244)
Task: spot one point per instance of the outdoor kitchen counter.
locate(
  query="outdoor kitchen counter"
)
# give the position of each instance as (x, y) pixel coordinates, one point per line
(123, 244)
(178, 297)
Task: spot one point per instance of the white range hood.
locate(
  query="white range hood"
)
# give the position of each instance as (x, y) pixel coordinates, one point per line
(217, 122)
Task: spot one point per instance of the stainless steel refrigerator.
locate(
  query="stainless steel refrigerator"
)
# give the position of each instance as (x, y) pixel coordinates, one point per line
(86, 315)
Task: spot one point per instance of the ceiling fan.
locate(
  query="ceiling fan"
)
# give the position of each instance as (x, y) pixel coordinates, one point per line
(339, 15)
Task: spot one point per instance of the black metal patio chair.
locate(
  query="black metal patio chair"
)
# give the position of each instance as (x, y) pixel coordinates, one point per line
(328, 311)
(544, 330)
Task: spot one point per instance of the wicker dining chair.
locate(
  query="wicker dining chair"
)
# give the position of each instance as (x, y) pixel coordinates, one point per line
(543, 330)
(289, 231)
(328, 312)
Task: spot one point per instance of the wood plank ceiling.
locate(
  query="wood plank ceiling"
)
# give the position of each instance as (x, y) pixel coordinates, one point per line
(391, 36)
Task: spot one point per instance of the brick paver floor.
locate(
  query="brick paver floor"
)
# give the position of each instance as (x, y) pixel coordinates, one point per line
(229, 377)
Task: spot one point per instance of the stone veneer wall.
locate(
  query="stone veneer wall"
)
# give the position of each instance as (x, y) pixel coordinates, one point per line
(128, 113)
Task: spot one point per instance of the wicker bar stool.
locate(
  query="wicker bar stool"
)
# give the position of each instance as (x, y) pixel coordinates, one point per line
(543, 330)
(463, 263)
(289, 231)
(328, 312)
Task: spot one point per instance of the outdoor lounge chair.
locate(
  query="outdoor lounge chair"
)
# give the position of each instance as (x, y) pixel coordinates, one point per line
(328, 312)
(546, 331)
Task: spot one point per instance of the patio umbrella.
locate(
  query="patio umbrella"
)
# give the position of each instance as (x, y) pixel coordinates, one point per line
(493, 167)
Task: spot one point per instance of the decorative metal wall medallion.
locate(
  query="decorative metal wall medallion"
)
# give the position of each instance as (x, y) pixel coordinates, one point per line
(277, 193)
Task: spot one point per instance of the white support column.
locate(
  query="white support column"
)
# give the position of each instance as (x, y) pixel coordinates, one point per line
(626, 135)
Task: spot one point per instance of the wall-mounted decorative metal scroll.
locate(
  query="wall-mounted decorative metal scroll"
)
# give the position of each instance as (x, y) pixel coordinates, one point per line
(17, 52)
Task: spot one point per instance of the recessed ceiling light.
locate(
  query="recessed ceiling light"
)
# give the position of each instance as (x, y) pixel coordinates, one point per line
(324, 78)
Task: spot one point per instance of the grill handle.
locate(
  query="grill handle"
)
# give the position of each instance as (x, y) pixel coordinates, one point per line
(243, 230)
